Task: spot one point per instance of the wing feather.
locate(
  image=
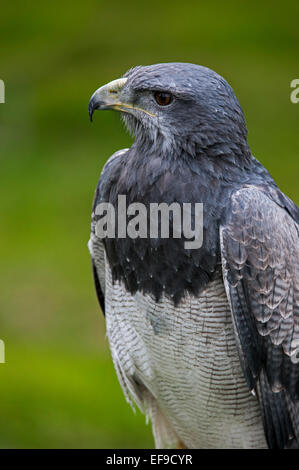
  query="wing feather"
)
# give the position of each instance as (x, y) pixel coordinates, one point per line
(260, 259)
(95, 244)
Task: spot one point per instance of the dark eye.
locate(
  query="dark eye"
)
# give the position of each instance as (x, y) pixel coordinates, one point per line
(163, 98)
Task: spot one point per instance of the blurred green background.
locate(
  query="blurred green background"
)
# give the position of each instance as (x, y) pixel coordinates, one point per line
(58, 387)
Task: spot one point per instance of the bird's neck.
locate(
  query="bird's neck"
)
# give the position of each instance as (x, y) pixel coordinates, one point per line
(224, 145)
(230, 161)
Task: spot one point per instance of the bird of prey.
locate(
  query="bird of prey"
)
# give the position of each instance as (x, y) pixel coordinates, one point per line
(205, 341)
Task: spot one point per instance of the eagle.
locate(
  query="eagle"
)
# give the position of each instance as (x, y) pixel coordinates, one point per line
(205, 340)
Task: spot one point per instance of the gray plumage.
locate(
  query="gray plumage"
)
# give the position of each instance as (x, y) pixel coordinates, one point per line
(205, 341)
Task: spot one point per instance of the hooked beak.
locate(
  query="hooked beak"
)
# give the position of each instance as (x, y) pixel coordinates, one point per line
(108, 97)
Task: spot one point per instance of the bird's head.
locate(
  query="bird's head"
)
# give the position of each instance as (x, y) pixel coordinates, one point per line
(176, 104)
